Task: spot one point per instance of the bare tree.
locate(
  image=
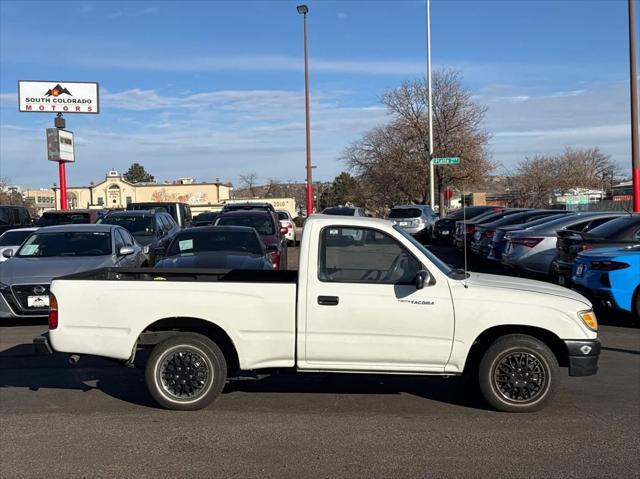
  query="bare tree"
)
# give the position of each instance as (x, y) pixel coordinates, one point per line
(393, 159)
(248, 181)
(538, 178)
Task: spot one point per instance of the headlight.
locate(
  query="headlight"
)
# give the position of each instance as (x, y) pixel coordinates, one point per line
(589, 319)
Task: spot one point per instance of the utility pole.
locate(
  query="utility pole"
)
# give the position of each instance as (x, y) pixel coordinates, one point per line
(431, 169)
(303, 10)
(635, 146)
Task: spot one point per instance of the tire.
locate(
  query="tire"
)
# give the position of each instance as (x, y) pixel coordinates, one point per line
(515, 395)
(198, 355)
(635, 305)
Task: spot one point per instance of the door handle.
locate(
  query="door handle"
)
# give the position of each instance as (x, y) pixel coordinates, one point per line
(328, 300)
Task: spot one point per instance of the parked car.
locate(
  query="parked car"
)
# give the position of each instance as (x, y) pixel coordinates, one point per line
(180, 212)
(465, 229)
(444, 228)
(344, 211)
(286, 221)
(153, 229)
(484, 233)
(382, 305)
(417, 220)
(499, 240)
(267, 226)
(533, 250)
(610, 276)
(220, 247)
(248, 205)
(13, 216)
(622, 231)
(12, 239)
(204, 219)
(57, 251)
(68, 217)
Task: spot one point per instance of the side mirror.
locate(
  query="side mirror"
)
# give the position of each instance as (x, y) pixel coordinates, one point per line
(284, 230)
(7, 253)
(422, 278)
(126, 250)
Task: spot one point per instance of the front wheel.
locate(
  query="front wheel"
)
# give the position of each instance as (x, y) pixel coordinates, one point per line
(186, 372)
(518, 373)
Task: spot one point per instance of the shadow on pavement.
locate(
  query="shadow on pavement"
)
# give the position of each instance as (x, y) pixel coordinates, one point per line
(21, 367)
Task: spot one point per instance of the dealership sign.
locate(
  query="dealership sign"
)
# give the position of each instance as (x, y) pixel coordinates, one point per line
(60, 145)
(58, 97)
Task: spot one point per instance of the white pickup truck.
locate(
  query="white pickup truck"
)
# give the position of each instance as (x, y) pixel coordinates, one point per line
(367, 298)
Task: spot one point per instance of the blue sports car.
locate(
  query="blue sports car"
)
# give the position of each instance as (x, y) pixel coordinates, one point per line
(611, 275)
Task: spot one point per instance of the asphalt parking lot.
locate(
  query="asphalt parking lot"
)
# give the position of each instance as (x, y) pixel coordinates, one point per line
(96, 419)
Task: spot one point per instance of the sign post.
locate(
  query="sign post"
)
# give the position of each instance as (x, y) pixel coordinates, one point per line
(59, 97)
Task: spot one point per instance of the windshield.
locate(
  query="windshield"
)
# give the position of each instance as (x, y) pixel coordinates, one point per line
(13, 238)
(442, 266)
(136, 225)
(190, 242)
(76, 243)
(405, 213)
(56, 219)
(262, 224)
(339, 211)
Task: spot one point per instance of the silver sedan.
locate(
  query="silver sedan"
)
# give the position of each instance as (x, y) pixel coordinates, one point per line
(57, 251)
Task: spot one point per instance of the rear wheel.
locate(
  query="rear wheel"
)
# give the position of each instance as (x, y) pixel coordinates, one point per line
(518, 373)
(635, 307)
(186, 372)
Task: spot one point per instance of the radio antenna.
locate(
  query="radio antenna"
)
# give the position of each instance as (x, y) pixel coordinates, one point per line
(464, 235)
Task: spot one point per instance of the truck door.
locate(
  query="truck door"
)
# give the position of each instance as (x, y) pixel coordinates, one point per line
(364, 312)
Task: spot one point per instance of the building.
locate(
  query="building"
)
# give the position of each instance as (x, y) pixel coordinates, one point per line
(116, 192)
(43, 199)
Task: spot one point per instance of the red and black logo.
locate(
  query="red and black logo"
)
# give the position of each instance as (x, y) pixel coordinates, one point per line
(57, 90)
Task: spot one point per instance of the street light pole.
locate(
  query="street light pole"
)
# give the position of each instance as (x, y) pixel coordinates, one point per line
(431, 169)
(303, 10)
(635, 145)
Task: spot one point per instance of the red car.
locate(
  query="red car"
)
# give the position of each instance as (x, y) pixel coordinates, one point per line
(268, 227)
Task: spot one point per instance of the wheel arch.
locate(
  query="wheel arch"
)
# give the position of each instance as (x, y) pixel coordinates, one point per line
(166, 327)
(488, 336)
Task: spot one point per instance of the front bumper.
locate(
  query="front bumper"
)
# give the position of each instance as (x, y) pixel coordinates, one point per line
(583, 356)
(12, 311)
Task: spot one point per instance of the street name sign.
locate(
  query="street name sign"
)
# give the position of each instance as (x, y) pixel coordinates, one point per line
(446, 161)
(58, 97)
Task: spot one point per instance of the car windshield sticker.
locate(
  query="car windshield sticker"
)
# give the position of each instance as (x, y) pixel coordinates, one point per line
(29, 249)
(185, 244)
(334, 232)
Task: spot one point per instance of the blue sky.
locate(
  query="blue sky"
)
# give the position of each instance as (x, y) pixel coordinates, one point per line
(215, 89)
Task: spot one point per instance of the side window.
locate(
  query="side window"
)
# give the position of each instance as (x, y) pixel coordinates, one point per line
(168, 221)
(596, 223)
(126, 236)
(160, 224)
(363, 255)
(119, 240)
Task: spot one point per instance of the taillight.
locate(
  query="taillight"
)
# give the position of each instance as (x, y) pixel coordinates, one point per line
(275, 259)
(528, 242)
(586, 246)
(470, 229)
(608, 265)
(53, 312)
